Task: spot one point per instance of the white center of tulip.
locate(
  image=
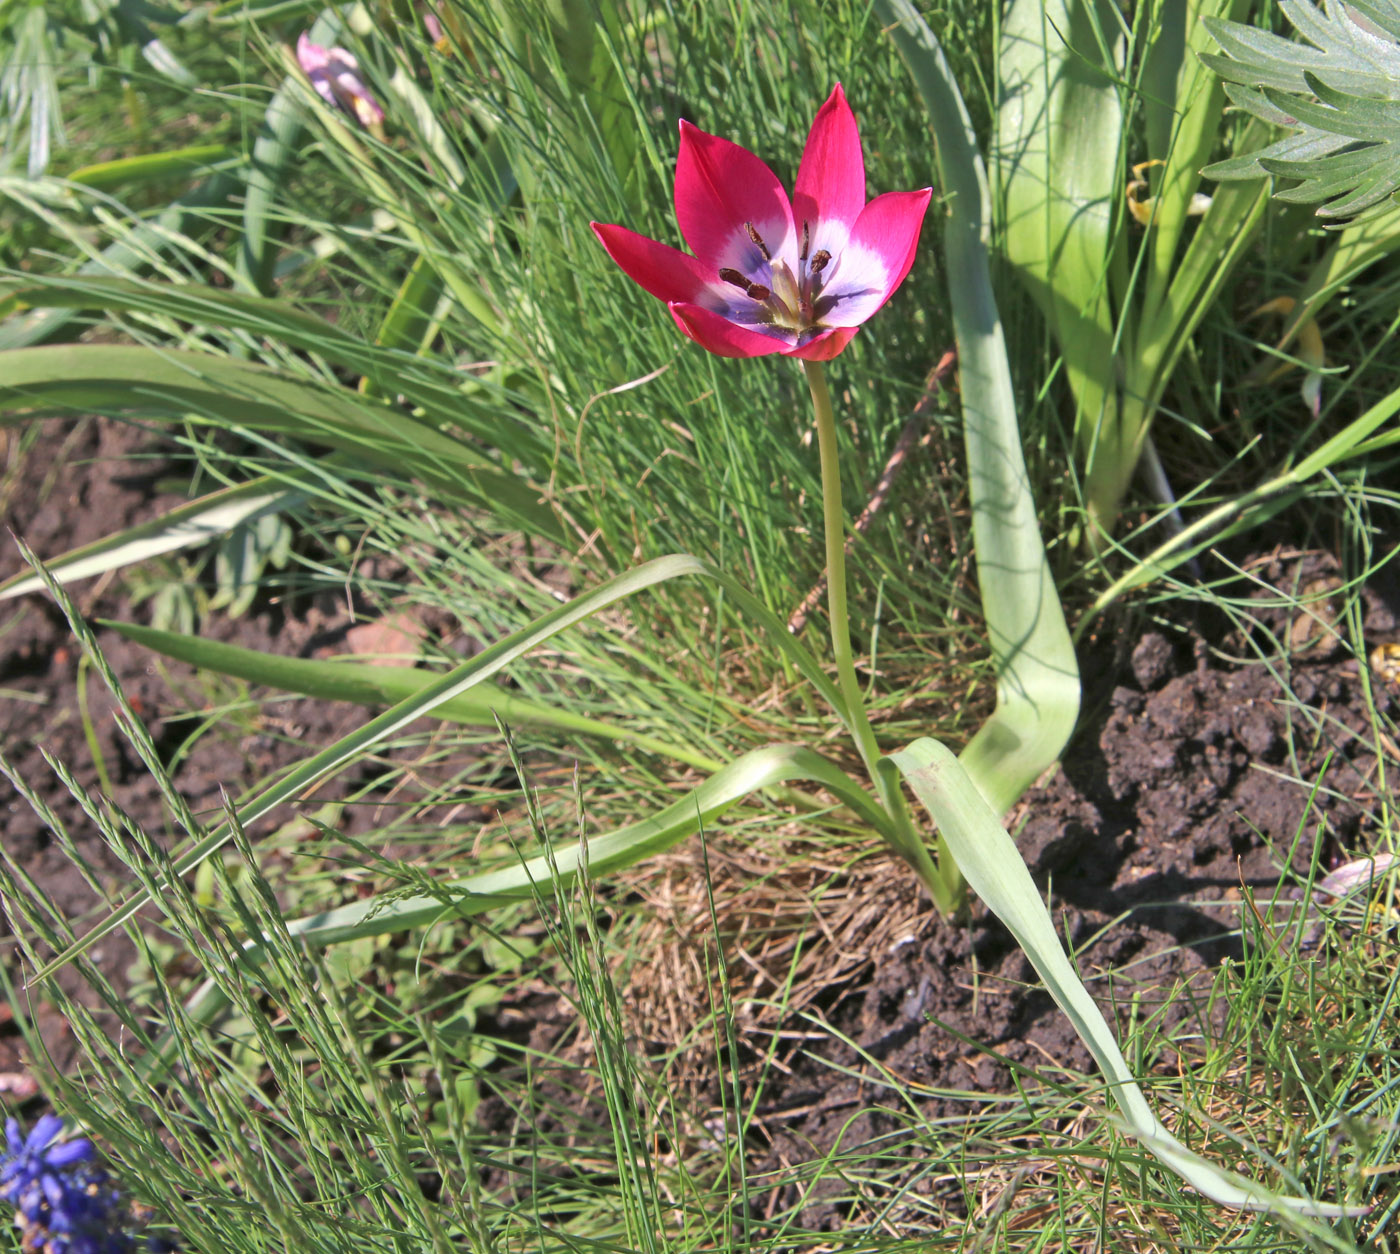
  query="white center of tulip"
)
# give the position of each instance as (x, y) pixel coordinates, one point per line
(791, 301)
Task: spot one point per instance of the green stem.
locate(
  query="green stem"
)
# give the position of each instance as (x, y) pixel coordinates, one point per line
(910, 844)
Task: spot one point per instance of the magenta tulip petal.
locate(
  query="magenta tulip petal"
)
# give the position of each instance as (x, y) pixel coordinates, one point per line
(825, 346)
(831, 179)
(722, 337)
(724, 197)
(665, 272)
(888, 228)
(763, 281)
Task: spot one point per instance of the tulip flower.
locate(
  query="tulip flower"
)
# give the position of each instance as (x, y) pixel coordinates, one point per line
(796, 276)
(769, 274)
(335, 74)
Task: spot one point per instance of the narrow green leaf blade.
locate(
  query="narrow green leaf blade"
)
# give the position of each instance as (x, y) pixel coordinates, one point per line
(363, 684)
(601, 855)
(994, 869)
(1059, 175)
(151, 167)
(193, 523)
(177, 222)
(613, 851)
(1037, 673)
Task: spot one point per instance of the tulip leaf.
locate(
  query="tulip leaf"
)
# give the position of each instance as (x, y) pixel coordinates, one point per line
(366, 684)
(973, 833)
(601, 854)
(276, 145)
(1037, 674)
(193, 523)
(146, 239)
(393, 372)
(1060, 177)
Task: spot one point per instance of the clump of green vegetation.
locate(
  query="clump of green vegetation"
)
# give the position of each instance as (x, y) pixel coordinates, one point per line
(342, 257)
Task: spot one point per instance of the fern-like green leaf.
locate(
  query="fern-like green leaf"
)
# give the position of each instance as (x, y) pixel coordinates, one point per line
(1340, 96)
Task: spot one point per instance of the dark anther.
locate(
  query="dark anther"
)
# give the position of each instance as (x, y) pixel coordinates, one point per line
(819, 260)
(758, 241)
(806, 241)
(758, 291)
(734, 277)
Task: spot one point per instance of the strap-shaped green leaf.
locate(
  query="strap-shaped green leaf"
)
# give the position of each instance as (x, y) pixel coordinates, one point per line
(1060, 176)
(602, 854)
(1037, 674)
(195, 522)
(433, 386)
(993, 867)
(365, 684)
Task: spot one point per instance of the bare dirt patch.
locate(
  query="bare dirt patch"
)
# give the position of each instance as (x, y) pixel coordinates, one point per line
(79, 482)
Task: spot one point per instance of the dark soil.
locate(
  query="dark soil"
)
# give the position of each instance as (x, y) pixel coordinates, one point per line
(79, 483)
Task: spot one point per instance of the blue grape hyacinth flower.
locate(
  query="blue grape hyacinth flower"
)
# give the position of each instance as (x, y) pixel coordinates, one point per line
(35, 1171)
(63, 1202)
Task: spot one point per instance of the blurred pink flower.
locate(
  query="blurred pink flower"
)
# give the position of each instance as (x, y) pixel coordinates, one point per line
(335, 74)
(769, 274)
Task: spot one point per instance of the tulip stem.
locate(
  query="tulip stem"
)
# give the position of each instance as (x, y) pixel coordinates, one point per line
(910, 844)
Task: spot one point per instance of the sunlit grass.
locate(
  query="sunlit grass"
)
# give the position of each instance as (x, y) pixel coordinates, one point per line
(336, 1110)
